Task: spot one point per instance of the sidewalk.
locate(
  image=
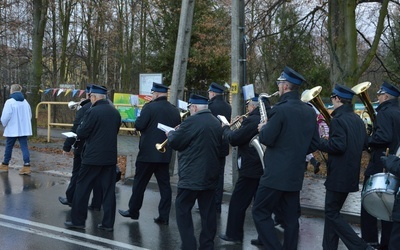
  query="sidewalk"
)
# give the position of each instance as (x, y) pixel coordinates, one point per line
(312, 196)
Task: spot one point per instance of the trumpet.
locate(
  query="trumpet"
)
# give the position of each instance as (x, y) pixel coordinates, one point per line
(313, 97)
(74, 105)
(235, 124)
(161, 147)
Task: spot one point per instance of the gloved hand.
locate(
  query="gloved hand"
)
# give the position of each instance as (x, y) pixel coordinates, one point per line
(388, 162)
(369, 129)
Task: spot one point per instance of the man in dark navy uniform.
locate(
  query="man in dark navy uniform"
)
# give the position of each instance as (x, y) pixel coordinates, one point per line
(385, 134)
(149, 160)
(219, 106)
(347, 140)
(77, 145)
(99, 128)
(197, 140)
(250, 170)
(392, 165)
(290, 133)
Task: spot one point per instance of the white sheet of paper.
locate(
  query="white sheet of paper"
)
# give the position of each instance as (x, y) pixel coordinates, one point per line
(223, 119)
(164, 128)
(182, 105)
(69, 134)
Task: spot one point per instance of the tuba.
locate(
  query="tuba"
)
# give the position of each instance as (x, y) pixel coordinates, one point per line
(313, 97)
(255, 142)
(360, 90)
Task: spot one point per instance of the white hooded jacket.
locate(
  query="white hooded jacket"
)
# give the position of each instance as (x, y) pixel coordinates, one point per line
(16, 116)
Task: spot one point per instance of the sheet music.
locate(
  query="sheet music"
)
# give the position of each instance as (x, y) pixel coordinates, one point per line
(69, 134)
(164, 128)
(223, 119)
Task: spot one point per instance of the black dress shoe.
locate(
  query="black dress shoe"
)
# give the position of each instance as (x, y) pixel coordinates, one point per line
(127, 214)
(68, 224)
(160, 221)
(93, 208)
(256, 242)
(64, 201)
(227, 238)
(108, 229)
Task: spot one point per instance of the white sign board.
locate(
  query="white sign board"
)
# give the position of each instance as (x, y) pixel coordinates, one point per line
(146, 82)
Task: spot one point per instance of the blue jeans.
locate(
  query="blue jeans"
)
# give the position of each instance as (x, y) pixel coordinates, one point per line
(23, 143)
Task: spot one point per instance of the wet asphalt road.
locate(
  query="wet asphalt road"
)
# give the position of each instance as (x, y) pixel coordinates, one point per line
(31, 217)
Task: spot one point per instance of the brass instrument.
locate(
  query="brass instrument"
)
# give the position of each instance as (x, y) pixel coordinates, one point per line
(161, 147)
(74, 105)
(235, 124)
(255, 142)
(360, 90)
(313, 97)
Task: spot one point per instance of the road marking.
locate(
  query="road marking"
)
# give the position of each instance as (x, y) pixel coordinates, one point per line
(63, 231)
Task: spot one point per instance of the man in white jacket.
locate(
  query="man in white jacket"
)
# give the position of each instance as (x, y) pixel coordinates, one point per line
(16, 119)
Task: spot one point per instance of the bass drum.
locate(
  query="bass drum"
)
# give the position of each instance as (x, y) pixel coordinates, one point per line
(378, 195)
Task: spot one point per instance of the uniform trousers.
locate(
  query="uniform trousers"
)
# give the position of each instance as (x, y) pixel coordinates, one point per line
(88, 176)
(185, 200)
(143, 173)
(395, 235)
(76, 165)
(265, 203)
(219, 192)
(336, 227)
(242, 196)
(369, 226)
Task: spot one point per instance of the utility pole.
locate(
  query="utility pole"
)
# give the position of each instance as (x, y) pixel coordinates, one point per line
(181, 58)
(238, 67)
(182, 51)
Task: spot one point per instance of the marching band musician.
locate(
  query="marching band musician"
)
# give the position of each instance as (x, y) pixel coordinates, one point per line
(219, 106)
(347, 140)
(197, 140)
(392, 165)
(77, 145)
(386, 134)
(250, 170)
(149, 160)
(290, 134)
(99, 128)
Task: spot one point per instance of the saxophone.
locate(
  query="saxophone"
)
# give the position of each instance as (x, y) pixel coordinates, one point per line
(255, 142)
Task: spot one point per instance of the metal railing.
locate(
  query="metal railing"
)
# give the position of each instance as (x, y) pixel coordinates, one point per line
(54, 124)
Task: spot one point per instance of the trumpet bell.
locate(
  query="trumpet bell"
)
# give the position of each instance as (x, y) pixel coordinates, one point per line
(311, 94)
(73, 105)
(361, 91)
(313, 97)
(361, 87)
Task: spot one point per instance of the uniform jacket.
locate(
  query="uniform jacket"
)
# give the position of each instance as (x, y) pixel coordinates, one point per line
(154, 112)
(78, 144)
(251, 166)
(386, 134)
(347, 140)
(198, 140)
(290, 134)
(99, 128)
(219, 106)
(16, 116)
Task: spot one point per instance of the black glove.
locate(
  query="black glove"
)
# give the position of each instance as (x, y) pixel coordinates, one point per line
(388, 162)
(369, 129)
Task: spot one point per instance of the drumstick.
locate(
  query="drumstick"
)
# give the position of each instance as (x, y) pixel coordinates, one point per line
(387, 152)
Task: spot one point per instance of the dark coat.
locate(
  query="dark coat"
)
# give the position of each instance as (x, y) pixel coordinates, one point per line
(251, 165)
(290, 134)
(386, 134)
(86, 104)
(157, 111)
(99, 128)
(198, 140)
(347, 140)
(219, 106)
